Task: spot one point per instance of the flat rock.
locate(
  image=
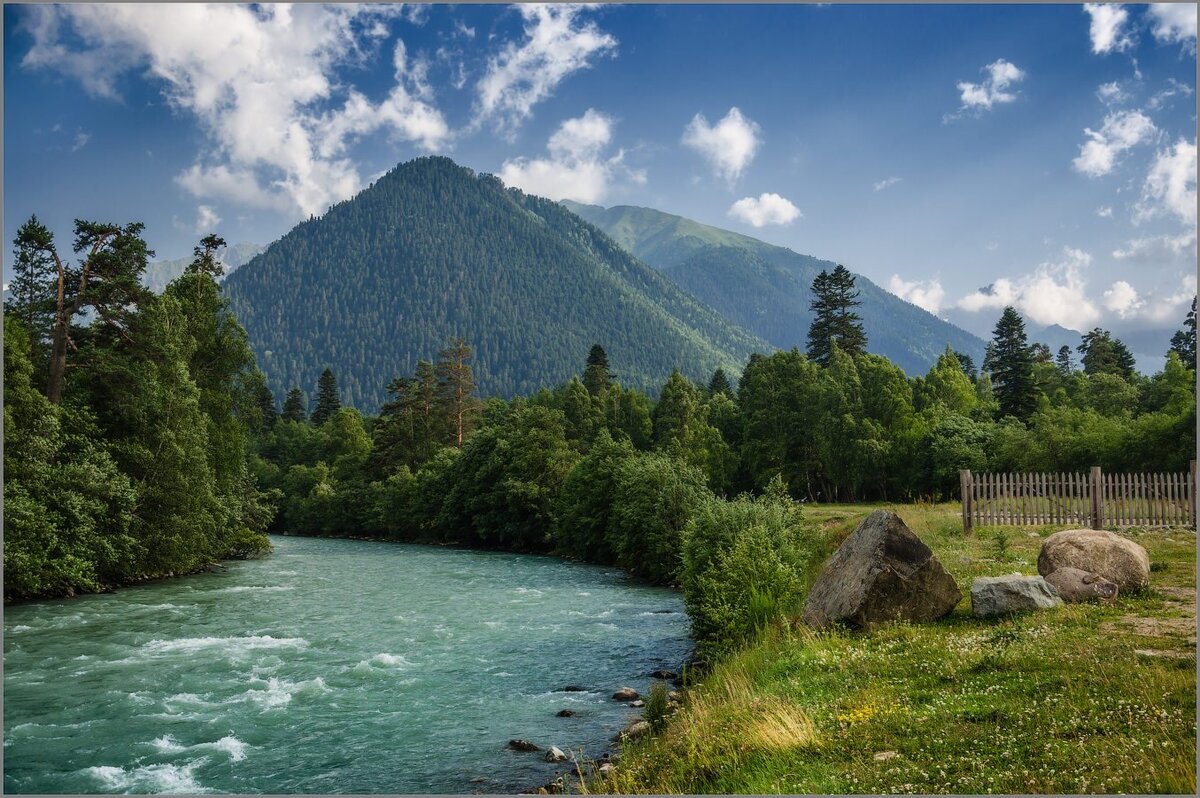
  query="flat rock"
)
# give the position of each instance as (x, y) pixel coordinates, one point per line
(565, 713)
(522, 745)
(1005, 595)
(1075, 586)
(1097, 551)
(638, 704)
(626, 694)
(881, 573)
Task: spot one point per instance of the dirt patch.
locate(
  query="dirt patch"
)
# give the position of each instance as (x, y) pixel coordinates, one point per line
(1181, 599)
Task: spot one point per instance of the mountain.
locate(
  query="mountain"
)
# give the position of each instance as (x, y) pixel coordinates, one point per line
(432, 250)
(161, 272)
(767, 289)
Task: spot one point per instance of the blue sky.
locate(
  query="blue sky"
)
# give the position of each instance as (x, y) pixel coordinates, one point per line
(1043, 154)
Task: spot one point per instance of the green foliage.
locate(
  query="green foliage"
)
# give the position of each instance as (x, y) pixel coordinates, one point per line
(1011, 365)
(1103, 354)
(293, 406)
(657, 708)
(588, 498)
(835, 324)
(328, 401)
(1183, 342)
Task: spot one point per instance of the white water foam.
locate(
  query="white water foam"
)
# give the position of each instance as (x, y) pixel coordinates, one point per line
(164, 778)
(20, 628)
(255, 588)
(232, 645)
(234, 748)
(278, 693)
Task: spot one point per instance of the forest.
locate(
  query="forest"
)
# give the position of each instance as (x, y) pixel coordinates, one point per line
(146, 442)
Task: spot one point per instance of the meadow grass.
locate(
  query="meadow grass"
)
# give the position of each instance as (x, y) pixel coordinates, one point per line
(1078, 699)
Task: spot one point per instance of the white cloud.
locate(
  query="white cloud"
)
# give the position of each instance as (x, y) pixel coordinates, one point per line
(206, 219)
(1001, 76)
(928, 294)
(1121, 131)
(81, 140)
(766, 209)
(729, 146)
(259, 79)
(1173, 22)
(1170, 186)
(1109, 27)
(1160, 248)
(1104, 212)
(1122, 298)
(576, 168)
(887, 182)
(557, 43)
(1112, 93)
(1054, 293)
(1174, 87)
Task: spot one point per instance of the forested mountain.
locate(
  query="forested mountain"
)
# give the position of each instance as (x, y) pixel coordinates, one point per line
(767, 289)
(433, 250)
(161, 272)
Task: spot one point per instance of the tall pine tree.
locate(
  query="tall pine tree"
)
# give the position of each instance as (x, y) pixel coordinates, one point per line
(456, 389)
(1100, 353)
(204, 257)
(1011, 362)
(720, 384)
(328, 401)
(31, 289)
(596, 376)
(1183, 343)
(1064, 362)
(834, 300)
(293, 406)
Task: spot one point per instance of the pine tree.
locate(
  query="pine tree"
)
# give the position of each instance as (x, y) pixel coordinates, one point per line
(328, 401)
(834, 298)
(204, 258)
(456, 389)
(968, 365)
(293, 406)
(32, 287)
(266, 404)
(1012, 367)
(1064, 362)
(720, 384)
(1102, 354)
(1041, 353)
(1183, 343)
(596, 376)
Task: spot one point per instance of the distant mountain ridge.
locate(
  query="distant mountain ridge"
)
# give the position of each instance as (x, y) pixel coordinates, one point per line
(767, 289)
(432, 250)
(161, 272)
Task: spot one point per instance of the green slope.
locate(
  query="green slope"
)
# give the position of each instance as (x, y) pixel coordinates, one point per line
(767, 289)
(433, 250)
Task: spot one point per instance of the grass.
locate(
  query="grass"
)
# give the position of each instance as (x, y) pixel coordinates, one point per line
(1079, 699)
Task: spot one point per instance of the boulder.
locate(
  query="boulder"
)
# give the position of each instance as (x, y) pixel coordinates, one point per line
(882, 572)
(607, 769)
(565, 713)
(1005, 595)
(555, 754)
(626, 694)
(522, 745)
(663, 673)
(572, 688)
(1074, 585)
(639, 729)
(638, 704)
(1097, 551)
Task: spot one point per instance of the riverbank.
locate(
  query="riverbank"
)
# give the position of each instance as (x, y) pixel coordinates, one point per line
(1082, 698)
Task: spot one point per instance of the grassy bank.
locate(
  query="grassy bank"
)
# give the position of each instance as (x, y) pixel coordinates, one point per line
(1082, 698)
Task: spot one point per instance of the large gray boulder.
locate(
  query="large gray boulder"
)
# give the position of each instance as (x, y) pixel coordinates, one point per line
(1097, 551)
(1006, 595)
(1077, 586)
(881, 573)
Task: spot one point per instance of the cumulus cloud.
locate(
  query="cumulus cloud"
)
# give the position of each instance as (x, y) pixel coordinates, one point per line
(887, 182)
(926, 294)
(1109, 27)
(1122, 298)
(206, 219)
(558, 41)
(1054, 293)
(1173, 22)
(765, 209)
(576, 167)
(1000, 78)
(1121, 131)
(1170, 186)
(1160, 248)
(729, 146)
(1112, 93)
(261, 82)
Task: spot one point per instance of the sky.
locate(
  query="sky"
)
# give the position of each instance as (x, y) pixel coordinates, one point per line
(963, 157)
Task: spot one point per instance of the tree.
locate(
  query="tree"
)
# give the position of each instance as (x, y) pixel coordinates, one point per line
(968, 365)
(266, 405)
(1183, 342)
(456, 389)
(1103, 354)
(596, 375)
(107, 280)
(719, 384)
(31, 287)
(1012, 367)
(1040, 352)
(293, 406)
(205, 259)
(1066, 366)
(328, 401)
(834, 297)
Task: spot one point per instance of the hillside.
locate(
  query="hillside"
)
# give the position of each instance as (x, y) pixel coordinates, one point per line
(432, 250)
(767, 289)
(161, 272)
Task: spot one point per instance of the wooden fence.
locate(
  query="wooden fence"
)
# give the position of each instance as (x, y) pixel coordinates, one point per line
(1095, 499)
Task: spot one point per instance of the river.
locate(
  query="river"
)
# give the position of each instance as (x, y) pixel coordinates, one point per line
(330, 666)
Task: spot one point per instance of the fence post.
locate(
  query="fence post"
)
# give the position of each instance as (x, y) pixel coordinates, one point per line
(1192, 489)
(964, 480)
(1097, 501)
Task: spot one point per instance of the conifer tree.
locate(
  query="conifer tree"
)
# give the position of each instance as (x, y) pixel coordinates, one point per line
(968, 365)
(596, 376)
(1012, 367)
(293, 406)
(1041, 353)
(834, 300)
(31, 288)
(1064, 362)
(266, 404)
(1183, 342)
(204, 257)
(1100, 353)
(719, 384)
(328, 401)
(456, 389)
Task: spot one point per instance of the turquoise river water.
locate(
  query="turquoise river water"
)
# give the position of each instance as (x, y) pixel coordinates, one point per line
(330, 666)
